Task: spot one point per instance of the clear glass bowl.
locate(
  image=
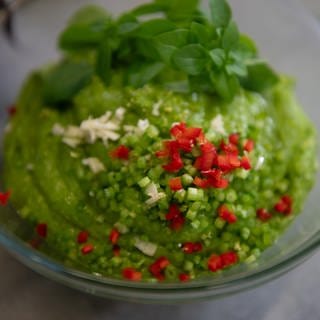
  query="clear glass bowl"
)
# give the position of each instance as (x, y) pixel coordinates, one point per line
(286, 35)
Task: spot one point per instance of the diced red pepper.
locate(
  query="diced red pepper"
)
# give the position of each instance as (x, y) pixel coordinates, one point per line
(215, 263)
(162, 154)
(131, 274)
(201, 183)
(86, 249)
(175, 184)
(121, 152)
(229, 148)
(192, 133)
(263, 214)
(157, 268)
(245, 163)
(185, 145)
(229, 258)
(116, 250)
(248, 145)
(178, 129)
(82, 237)
(284, 205)
(226, 215)
(177, 223)
(215, 178)
(223, 162)
(192, 247)
(234, 138)
(234, 161)
(42, 230)
(12, 110)
(4, 198)
(174, 212)
(114, 236)
(175, 163)
(184, 277)
(187, 247)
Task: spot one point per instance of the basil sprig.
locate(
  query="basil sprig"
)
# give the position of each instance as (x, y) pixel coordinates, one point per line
(167, 41)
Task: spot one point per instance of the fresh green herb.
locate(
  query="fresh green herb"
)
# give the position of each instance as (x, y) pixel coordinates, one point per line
(170, 42)
(65, 81)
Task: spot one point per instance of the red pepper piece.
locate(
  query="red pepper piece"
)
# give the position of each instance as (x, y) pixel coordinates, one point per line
(121, 152)
(116, 250)
(12, 110)
(226, 215)
(4, 198)
(185, 145)
(157, 268)
(187, 247)
(42, 230)
(234, 138)
(229, 258)
(178, 129)
(234, 161)
(248, 145)
(114, 236)
(263, 214)
(284, 205)
(223, 163)
(245, 163)
(192, 133)
(175, 163)
(216, 179)
(131, 274)
(229, 148)
(201, 183)
(174, 212)
(215, 263)
(177, 223)
(184, 277)
(82, 237)
(162, 154)
(175, 184)
(86, 249)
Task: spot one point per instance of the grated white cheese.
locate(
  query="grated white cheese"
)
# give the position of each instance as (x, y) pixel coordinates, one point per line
(154, 194)
(260, 163)
(94, 164)
(156, 108)
(148, 248)
(92, 129)
(142, 126)
(217, 124)
(57, 129)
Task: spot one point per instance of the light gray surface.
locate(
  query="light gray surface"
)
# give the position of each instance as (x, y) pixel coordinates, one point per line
(25, 295)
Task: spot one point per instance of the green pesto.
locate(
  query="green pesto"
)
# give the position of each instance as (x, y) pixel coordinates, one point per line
(63, 193)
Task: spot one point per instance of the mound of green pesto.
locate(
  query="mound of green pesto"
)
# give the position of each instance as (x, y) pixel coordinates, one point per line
(106, 212)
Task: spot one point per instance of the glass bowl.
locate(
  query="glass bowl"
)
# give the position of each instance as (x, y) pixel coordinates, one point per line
(286, 35)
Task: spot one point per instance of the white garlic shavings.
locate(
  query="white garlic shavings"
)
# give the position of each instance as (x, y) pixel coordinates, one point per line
(154, 194)
(217, 124)
(94, 164)
(147, 248)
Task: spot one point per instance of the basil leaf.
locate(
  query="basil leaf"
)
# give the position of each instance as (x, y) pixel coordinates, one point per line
(260, 76)
(141, 74)
(200, 34)
(103, 63)
(148, 8)
(220, 13)
(86, 29)
(127, 23)
(230, 36)
(238, 69)
(88, 15)
(167, 43)
(153, 28)
(226, 86)
(191, 59)
(65, 81)
(147, 49)
(185, 11)
(246, 47)
(201, 83)
(218, 57)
